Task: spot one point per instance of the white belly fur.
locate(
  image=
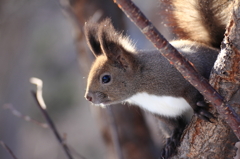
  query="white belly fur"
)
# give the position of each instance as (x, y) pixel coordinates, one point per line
(163, 105)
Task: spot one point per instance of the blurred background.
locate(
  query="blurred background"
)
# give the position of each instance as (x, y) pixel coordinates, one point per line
(37, 40)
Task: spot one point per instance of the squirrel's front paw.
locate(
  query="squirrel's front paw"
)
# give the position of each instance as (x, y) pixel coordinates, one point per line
(202, 113)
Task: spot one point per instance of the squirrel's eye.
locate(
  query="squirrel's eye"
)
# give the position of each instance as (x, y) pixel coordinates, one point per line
(106, 79)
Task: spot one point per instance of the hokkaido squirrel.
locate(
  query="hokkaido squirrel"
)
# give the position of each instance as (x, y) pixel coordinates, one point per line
(122, 73)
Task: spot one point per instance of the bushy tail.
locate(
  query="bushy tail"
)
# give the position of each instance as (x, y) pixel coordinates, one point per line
(199, 20)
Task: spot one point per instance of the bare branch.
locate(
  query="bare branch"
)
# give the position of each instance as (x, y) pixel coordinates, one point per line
(8, 149)
(39, 99)
(186, 69)
(24, 117)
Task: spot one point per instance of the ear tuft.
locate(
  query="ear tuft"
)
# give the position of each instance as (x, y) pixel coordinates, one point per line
(115, 46)
(113, 41)
(90, 30)
(108, 37)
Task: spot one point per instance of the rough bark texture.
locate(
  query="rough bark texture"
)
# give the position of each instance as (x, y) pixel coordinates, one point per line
(133, 133)
(207, 140)
(216, 140)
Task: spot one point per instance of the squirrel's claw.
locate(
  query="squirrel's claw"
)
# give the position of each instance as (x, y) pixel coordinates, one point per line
(203, 114)
(202, 104)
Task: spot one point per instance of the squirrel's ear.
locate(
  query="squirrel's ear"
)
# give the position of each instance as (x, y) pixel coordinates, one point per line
(114, 45)
(90, 30)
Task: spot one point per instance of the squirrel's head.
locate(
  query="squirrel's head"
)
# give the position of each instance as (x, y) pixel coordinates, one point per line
(111, 77)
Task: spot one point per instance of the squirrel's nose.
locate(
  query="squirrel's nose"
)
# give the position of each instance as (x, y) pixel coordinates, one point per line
(89, 96)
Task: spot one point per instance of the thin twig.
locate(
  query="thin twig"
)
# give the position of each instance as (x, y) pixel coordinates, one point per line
(24, 117)
(39, 99)
(5, 146)
(53, 127)
(174, 57)
(75, 152)
(114, 132)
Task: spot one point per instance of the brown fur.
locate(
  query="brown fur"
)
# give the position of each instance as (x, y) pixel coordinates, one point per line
(199, 20)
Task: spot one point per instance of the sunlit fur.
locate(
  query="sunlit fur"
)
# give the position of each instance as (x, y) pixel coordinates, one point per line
(199, 20)
(162, 105)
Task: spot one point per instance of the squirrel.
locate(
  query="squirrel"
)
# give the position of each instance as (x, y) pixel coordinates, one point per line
(121, 73)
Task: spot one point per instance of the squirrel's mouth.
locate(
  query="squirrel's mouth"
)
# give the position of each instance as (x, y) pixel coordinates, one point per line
(106, 103)
(100, 99)
(97, 98)
(103, 103)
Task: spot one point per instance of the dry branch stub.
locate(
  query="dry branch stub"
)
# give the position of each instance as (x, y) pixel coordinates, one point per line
(41, 104)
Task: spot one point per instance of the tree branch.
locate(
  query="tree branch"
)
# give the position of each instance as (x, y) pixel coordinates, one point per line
(8, 149)
(40, 103)
(186, 69)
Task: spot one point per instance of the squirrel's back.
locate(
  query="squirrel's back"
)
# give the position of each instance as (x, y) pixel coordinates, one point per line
(203, 21)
